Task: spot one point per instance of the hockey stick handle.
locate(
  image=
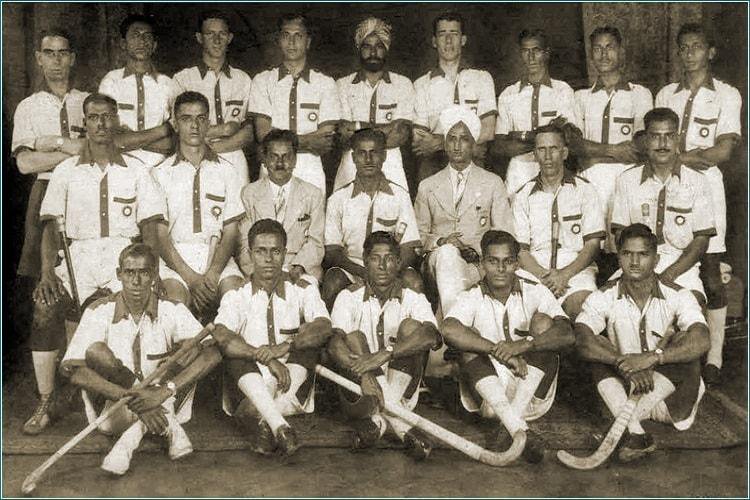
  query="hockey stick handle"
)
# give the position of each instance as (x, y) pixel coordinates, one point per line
(60, 221)
(495, 459)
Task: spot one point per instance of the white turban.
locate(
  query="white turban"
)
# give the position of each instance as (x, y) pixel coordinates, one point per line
(460, 114)
(373, 25)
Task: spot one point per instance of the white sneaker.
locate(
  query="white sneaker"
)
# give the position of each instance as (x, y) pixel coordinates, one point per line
(117, 460)
(179, 442)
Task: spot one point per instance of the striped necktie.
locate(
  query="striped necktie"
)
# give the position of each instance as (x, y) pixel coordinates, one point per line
(280, 204)
(460, 188)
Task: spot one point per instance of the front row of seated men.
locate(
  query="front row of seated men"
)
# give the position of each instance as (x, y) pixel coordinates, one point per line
(640, 333)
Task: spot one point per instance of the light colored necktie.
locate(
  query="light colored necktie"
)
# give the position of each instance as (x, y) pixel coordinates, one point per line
(460, 187)
(280, 204)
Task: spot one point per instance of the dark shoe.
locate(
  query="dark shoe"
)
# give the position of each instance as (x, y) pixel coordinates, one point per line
(265, 443)
(287, 441)
(636, 446)
(366, 434)
(40, 419)
(711, 374)
(418, 445)
(501, 440)
(533, 453)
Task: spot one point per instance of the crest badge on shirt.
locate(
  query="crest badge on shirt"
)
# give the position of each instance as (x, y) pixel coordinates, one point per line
(625, 129)
(216, 211)
(645, 210)
(313, 116)
(127, 210)
(704, 132)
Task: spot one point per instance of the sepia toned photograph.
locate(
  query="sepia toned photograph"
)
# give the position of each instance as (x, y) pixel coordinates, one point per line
(367, 249)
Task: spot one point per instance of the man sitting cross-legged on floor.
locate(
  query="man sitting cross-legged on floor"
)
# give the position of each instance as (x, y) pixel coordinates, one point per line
(655, 336)
(509, 330)
(271, 331)
(122, 338)
(382, 334)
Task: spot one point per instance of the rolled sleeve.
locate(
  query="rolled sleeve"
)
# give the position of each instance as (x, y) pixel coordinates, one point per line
(259, 102)
(486, 94)
(405, 102)
(580, 109)
(729, 117)
(593, 214)
(185, 325)
(643, 102)
(521, 219)
(594, 312)
(152, 204)
(503, 125)
(230, 314)
(314, 307)
(501, 215)
(421, 310)
(548, 304)
(342, 315)
(92, 328)
(567, 104)
(409, 218)
(333, 231)
(465, 308)
(330, 105)
(687, 310)
(620, 211)
(234, 210)
(54, 201)
(24, 136)
(342, 87)
(422, 103)
(703, 214)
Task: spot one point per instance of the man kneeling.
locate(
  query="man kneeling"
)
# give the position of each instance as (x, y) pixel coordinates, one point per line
(271, 331)
(383, 332)
(121, 339)
(509, 330)
(642, 350)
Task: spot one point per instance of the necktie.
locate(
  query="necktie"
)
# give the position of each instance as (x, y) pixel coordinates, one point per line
(460, 187)
(280, 204)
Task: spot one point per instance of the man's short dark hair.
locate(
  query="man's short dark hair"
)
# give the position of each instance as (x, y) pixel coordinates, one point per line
(280, 135)
(696, 29)
(293, 16)
(450, 16)
(135, 250)
(266, 226)
(213, 14)
(58, 32)
(136, 18)
(380, 238)
(637, 230)
(539, 34)
(606, 30)
(98, 98)
(190, 97)
(661, 115)
(496, 237)
(368, 134)
(551, 129)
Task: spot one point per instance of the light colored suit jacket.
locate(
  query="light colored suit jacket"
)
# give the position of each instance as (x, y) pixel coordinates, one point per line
(304, 222)
(484, 206)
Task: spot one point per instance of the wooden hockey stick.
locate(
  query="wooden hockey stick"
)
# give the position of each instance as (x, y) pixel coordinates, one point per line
(29, 484)
(495, 459)
(60, 221)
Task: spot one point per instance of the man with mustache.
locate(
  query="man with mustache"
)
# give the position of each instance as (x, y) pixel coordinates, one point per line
(202, 190)
(559, 224)
(105, 199)
(375, 97)
(143, 94)
(655, 337)
(672, 199)
(535, 100)
(451, 82)
(709, 130)
(226, 88)
(295, 97)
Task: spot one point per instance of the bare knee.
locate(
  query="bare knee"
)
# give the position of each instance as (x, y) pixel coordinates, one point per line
(407, 328)
(357, 342)
(540, 323)
(230, 283)
(413, 280)
(176, 291)
(101, 359)
(573, 304)
(333, 282)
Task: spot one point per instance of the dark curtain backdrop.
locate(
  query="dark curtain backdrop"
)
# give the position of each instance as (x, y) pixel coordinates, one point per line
(649, 30)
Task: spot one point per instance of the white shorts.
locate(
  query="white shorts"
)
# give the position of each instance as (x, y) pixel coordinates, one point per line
(195, 255)
(95, 264)
(309, 168)
(717, 244)
(583, 281)
(521, 169)
(393, 169)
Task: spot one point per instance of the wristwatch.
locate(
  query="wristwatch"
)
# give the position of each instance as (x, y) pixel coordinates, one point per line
(172, 387)
(389, 349)
(659, 355)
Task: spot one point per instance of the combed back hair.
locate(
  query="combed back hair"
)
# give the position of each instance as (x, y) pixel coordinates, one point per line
(280, 135)
(451, 16)
(496, 237)
(98, 98)
(551, 129)
(213, 14)
(136, 18)
(58, 32)
(190, 97)
(696, 29)
(294, 16)
(606, 30)
(637, 230)
(380, 238)
(266, 226)
(539, 34)
(368, 134)
(661, 115)
(138, 250)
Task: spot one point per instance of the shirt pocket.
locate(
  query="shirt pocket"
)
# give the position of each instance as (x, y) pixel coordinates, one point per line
(571, 230)
(215, 201)
(703, 131)
(623, 128)
(124, 210)
(386, 112)
(473, 104)
(232, 110)
(678, 230)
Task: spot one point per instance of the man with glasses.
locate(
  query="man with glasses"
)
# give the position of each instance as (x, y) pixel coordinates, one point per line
(226, 88)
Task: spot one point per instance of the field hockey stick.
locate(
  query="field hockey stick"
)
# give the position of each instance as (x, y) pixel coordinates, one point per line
(69, 264)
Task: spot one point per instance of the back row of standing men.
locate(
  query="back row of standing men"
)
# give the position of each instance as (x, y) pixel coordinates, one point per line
(451, 116)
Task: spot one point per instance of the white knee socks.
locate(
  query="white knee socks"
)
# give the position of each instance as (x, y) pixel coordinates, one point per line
(252, 386)
(45, 363)
(493, 393)
(716, 322)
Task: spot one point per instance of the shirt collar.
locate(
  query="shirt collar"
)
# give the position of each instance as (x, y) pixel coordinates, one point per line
(304, 74)
(209, 155)
(383, 186)
(623, 288)
(546, 81)
(279, 288)
(648, 172)
(43, 86)
(454, 172)
(708, 83)
(122, 311)
(568, 178)
(203, 69)
(151, 72)
(114, 158)
(361, 77)
(394, 292)
(622, 84)
(438, 71)
(515, 288)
